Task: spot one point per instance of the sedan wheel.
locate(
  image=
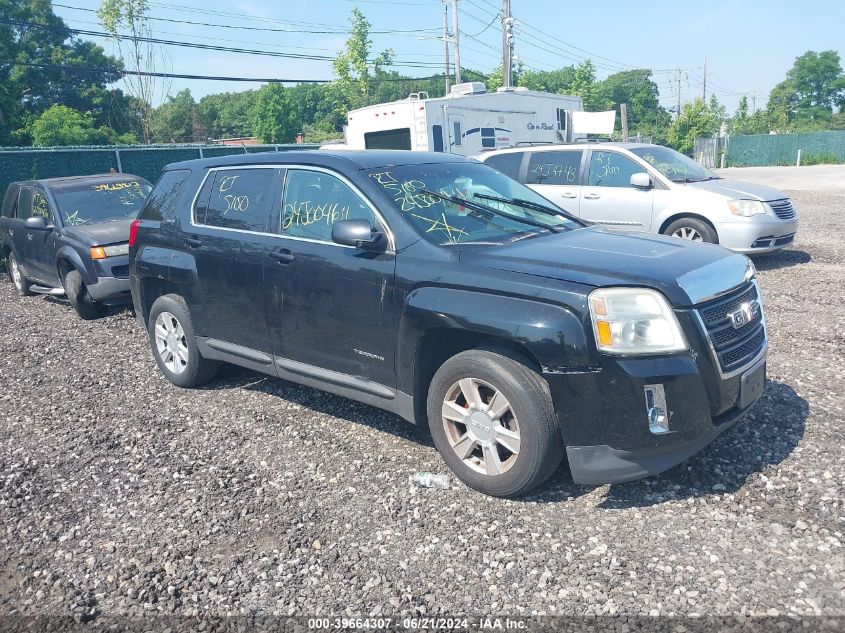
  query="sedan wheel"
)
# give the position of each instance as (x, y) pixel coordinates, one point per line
(171, 343)
(481, 426)
(688, 233)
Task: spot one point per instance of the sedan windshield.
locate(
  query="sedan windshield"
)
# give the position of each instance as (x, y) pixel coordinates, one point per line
(674, 165)
(91, 203)
(498, 209)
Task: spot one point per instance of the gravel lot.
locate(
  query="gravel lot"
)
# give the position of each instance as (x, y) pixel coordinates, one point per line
(122, 495)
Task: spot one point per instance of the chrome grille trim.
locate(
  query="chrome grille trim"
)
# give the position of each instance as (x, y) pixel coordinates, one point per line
(783, 209)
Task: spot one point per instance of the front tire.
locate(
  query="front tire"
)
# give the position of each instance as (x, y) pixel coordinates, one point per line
(693, 230)
(19, 281)
(174, 344)
(493, 422)
(77, 295)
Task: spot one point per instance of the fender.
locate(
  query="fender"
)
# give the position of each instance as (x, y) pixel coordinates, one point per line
(85, 267)
(555, 335)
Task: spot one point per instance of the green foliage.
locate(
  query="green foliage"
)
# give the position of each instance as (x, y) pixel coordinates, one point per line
(61, 125)
(813, 87)
(821, 159)
(178, 121)
(227, 114)
(274, 120)
(696, 119)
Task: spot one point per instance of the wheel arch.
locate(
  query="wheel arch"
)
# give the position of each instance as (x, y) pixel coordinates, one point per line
(687, 214)
(67, 259)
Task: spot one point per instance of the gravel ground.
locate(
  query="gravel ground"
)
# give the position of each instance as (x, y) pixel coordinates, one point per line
(122, 495)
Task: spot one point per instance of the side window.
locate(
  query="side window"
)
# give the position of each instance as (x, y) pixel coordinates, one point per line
(314, 201)
(32, 203)
(555, 168)
(508, 164)
(561, 119)
(10, 202)
(241, 199)
(609, 169)
(437, 135)
(456, 128)
(488, 137)
(161, 203)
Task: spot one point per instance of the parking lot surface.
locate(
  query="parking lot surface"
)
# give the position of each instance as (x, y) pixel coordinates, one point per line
(123, 495)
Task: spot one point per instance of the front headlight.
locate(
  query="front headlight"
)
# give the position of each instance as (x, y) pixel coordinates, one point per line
(101, 252)
(634, 321)
(746, 208)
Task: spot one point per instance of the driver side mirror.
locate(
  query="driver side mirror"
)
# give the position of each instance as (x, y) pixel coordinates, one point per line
(358, 233)
(37, 223)
(641, 180)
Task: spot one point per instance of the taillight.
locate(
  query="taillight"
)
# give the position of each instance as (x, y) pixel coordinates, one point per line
(133, 231)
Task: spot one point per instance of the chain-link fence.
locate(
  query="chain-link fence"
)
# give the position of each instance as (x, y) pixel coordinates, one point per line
(760, 150)
(146, 161)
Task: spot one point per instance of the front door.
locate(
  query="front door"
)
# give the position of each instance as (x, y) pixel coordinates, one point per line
(329, 305)
(608, 197)
(36, 248)
(227, 240)
(556, 175)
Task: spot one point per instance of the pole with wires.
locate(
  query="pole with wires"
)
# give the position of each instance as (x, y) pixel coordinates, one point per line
(446, 44)
(507, 44)
(457, 40)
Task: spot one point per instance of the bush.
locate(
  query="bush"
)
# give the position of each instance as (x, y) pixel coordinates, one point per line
(821, 159)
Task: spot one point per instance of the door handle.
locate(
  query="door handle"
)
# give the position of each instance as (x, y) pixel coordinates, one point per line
(283, 256)
(194, 241)
(592, 196)
(569, 195)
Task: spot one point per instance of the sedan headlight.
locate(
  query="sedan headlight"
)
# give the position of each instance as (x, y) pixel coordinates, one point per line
(634, 321)
(101, 252)
(746, 208)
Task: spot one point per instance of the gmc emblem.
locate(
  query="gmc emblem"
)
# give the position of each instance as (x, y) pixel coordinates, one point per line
(744, 314)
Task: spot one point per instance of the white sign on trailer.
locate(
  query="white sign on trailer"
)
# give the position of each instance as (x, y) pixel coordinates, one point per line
(594, 122)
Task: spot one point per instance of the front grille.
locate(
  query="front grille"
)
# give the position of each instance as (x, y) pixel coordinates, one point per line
(734, 347)
(783, 209)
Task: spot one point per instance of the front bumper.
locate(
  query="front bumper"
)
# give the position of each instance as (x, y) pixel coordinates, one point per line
(112, 281)
(604, 414)
(759, 234)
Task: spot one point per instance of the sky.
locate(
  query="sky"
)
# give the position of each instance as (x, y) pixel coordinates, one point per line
(749, 45)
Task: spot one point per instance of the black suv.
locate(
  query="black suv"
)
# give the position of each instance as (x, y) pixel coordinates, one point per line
(68, 236)
(437, 288)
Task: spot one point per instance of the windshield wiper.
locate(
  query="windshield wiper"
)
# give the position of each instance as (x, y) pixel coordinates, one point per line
(534, 206)
(483, 208)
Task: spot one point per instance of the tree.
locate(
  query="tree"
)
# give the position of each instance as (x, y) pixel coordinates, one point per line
(696, 119)
(273, 118)
(176, 120)
(139, 54)
(227, 114)
(61, 125)
(353, 69)
(813, 87)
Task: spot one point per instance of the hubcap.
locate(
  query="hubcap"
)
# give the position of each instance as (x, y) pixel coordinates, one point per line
(171, 344)
(481, 426)
(16, 274)
(688, 233)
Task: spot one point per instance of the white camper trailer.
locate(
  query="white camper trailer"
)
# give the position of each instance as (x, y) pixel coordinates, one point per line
(468, 121)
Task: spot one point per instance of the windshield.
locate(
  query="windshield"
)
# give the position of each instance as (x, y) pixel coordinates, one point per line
(674, 165)
(92, 203)
(445, 222)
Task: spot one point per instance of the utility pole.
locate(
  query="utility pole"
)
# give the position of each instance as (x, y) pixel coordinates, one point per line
(704, 84)
(457, 40)
(507, 44)
(623, 114)
(679, 92)
(446, 45)
(754, 102)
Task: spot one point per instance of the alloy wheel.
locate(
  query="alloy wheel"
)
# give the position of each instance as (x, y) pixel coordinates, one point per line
(171, 343)
(481, 426)
(16, 273)
(688, 233)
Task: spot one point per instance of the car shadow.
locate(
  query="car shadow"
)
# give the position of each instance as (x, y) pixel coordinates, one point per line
(781, 259)
(232, 376)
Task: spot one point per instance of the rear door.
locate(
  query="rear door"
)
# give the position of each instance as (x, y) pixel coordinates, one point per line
(557, 175)
(226, 239)
(608, 197)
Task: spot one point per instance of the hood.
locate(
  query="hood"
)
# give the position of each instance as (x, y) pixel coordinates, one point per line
(739, 190)
(101, 234)
(686, 272)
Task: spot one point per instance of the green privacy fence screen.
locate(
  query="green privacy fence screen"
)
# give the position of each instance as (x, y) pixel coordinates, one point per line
(782, 149)
(17, 163)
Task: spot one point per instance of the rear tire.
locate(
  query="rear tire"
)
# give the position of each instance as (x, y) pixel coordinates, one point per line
(18, 279)
(77, 295)
(493, 422)
(693, 230)
(174, 344)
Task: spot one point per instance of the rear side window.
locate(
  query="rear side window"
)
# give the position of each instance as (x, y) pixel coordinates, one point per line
(162, 201)
(508, 164)
(554, 168)
(241, 199)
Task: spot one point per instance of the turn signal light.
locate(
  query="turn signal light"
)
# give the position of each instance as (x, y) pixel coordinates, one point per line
(605, 335)
(98, 252)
